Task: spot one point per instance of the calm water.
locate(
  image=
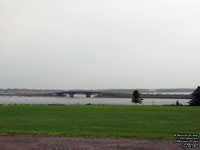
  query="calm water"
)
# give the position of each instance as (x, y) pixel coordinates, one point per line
(82, 100)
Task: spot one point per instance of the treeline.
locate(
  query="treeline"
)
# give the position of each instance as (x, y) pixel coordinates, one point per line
(17, 90)
(125, 95)
(130, 91)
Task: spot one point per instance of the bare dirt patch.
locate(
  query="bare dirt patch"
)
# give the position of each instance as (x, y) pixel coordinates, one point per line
(58, 143)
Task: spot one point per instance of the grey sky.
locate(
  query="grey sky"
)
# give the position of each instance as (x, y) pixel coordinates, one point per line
(95, 44)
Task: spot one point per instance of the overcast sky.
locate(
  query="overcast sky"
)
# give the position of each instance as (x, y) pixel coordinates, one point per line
(95, 44)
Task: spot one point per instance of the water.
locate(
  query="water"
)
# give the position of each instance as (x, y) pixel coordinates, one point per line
(5, 100)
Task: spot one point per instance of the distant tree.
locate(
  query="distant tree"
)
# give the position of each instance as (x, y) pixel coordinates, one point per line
(137, 97)
(195, 98)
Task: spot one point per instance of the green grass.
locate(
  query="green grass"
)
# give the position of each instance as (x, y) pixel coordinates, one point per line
(142, 122)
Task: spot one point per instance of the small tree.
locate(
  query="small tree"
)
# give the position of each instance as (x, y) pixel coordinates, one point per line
(137, 97)
(195, 98)
(178, 103)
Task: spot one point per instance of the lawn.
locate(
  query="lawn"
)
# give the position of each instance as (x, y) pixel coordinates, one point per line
(141, 122)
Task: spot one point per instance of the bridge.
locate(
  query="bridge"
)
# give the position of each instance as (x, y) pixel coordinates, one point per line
(72, 93)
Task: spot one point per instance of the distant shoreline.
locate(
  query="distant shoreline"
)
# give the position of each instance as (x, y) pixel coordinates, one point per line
(122, 95)
(110, 95)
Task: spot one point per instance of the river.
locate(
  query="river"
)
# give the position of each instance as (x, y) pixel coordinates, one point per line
(80, 100)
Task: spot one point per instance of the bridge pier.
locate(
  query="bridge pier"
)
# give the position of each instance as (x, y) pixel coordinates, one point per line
(71, 94)
(88, 95)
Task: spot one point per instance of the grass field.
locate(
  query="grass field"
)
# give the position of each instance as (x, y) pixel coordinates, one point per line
(142, 122)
